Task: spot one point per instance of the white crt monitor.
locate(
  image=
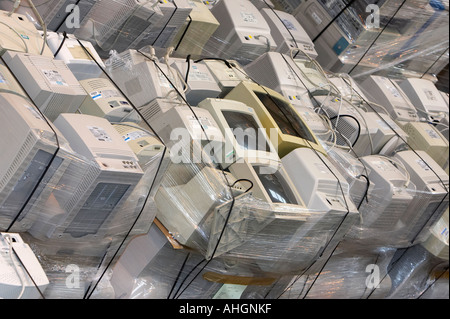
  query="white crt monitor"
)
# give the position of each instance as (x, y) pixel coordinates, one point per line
(74, 55)
(388, 199)
(431, 199)
(387, 93)
(28, 145)
(118, 23)
(426, 97)
(49, 83)
(22, 275)
(227, 76)
(317, 180)
(143, 143)
(313, 78)
(242, 128)
(348, 88)
(19, 34)
(96, 188)
(200, 82)
(280, 73)
(105, 100)
(192, 135)
(243, 33)
(161, 34)
(288, 32)
(141, 79)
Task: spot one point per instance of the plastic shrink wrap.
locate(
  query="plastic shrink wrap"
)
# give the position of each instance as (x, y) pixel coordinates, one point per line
(358, 192)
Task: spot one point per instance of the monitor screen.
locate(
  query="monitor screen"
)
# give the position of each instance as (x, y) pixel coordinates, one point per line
(274, 187)
(249, 140)
(284, 115)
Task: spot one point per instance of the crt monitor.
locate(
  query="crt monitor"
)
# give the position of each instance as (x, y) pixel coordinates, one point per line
(90, 195)
(280, 73)
(28, 146)
(278, 116)
(242, 128)
(105, 100)
(426, 98)
(387, 93)
(288, 32)
(19, 34)
(243, 33)
(49, 82)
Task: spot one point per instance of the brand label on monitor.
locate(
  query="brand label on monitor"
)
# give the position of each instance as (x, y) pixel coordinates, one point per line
(131, 136)
(288, 24)
(423, 165)
(432, 134)
(197, 75)
(54, 78)
(100, 134)
(104, 94)
(430, 95)
(249, 17)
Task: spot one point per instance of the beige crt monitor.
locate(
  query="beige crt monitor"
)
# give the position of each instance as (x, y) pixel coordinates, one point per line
(19, 34)
(426, 137)
(49, 83)
(227, 76)
(197, 30)
(105, 100)
(242, 128)
(186, 210)
(281, 121)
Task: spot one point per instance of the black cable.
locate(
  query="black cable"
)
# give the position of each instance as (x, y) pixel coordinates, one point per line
(357, 122)
(440, 56)
(338, 181)
(332, 21)
(184, 33)
(220, 166)
(178, 275)
(151, 186)
(186, 78)
(366, 193)
(61, 45)
(167, 23)
(227, 63)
